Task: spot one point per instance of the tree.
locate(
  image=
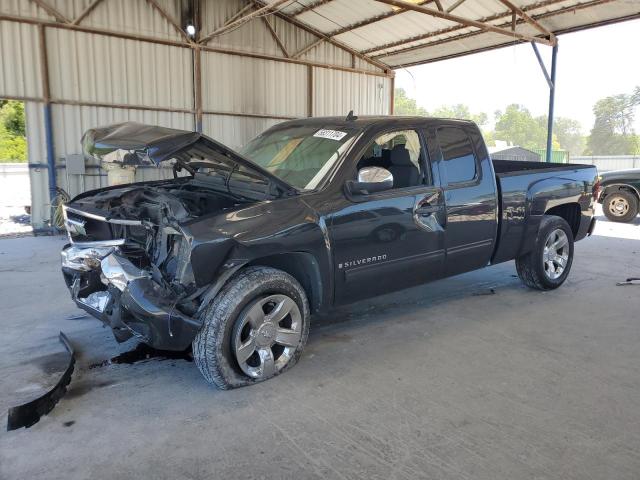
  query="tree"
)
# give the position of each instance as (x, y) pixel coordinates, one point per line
(12, 117)
(518, 127)
(404, 105)
(569, 134)
(612, 132)
(13, 145)
(460, 111)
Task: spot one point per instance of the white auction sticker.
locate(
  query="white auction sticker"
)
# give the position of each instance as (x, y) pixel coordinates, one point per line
(330, 134)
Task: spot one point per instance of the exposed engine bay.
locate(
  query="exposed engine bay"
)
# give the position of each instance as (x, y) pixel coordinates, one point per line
(146, 219)
(130, 256)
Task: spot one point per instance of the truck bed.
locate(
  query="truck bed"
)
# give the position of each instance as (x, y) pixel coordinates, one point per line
(513, 167)
(526, 190)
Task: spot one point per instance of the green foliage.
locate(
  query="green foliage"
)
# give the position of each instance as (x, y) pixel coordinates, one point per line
(612, 132)
(13, 145)
(517, 126)
(12, 117)
(568, 132)
(12, 148)
(404, 105)
(460, 111)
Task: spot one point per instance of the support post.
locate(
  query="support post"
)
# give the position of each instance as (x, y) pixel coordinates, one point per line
(197, 86)
(310, 88)
(48, 124)
(552, 95)
(392, 95)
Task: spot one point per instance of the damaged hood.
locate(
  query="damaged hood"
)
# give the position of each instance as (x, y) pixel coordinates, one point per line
(135, 144)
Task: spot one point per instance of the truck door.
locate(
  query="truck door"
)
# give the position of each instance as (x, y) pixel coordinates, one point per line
(470, 197)
(392, 239)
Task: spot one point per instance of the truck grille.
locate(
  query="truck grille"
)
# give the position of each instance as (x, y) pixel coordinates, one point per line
(90, 227)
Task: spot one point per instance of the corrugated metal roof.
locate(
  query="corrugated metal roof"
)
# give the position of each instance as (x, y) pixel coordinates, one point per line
(399, 38)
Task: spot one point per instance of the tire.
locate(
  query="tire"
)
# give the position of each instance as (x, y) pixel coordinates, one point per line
(620, 206)
(535, 269)
(246, 314)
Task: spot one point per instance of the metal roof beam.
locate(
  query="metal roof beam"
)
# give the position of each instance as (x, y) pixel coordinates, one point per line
(51, 11)
(275, 36)
(168, 18)
(369, 21)
(455, 5)
(311, 6)
(527, 18)
(324, 36)
(464, 21)
(542, 65)
(443, 31)
(236, 23)
(304, 50)
(86, 12)
(239, 13)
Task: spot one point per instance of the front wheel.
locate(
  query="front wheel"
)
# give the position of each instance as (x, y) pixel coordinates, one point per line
(253, 330)
(547, 266)
(620, 206)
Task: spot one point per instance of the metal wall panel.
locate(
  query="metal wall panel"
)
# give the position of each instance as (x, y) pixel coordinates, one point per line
(19, 61)
(235, 131)
(249, 85)
(335, 93)
(609, 162)
(97, 68)
(136, 16)
(40, 206)
(71, 121)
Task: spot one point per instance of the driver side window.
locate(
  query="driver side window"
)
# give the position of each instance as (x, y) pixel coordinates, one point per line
(400, 153)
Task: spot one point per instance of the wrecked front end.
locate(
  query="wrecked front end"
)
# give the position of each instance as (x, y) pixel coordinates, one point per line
(132, 261)
(133, 275)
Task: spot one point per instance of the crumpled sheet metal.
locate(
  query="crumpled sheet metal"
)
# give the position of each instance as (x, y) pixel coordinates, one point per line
(29, 413)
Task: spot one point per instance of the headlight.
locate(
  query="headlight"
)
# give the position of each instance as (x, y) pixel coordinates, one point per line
(84, 259)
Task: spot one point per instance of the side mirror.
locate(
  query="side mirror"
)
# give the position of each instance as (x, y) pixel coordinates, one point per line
(371, 180)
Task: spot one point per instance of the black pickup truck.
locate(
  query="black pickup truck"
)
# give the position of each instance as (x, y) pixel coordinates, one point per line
(237, 251)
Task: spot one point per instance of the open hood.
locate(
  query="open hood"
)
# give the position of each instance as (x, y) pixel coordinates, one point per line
(133, 143)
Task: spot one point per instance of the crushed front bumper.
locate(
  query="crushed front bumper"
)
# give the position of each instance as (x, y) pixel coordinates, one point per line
(108, 286)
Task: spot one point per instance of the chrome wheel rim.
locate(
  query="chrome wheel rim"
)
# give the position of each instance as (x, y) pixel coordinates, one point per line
(267, 335)
(618, 206)
(555, 254)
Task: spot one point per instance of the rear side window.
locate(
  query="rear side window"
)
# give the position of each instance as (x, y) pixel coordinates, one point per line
(457, 152)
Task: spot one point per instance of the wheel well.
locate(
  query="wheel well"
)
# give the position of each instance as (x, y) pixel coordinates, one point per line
(618, 188)
(570, 212)
(303, 267)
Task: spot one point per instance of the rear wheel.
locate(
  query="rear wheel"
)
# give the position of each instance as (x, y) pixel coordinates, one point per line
(253, 330)
(547, 266)
(620, 206)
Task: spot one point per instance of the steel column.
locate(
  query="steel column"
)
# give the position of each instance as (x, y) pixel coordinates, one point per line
(48, 124)
(552, 96)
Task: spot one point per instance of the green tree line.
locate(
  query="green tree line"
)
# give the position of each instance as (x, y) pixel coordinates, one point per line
(612, 132)
(13, 144)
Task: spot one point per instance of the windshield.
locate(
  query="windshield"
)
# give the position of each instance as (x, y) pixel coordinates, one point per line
(301, 156)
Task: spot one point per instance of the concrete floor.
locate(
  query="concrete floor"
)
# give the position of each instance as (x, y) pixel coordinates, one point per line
(441, 381)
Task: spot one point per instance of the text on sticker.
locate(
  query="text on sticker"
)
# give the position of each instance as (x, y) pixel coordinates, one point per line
(330, 134)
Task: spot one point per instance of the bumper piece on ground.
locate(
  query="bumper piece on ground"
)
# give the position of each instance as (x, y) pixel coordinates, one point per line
(30, 413)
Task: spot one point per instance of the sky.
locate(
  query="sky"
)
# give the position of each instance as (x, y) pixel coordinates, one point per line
(591, 64)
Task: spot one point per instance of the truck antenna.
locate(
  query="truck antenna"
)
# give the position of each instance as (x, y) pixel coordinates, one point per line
(351, 117)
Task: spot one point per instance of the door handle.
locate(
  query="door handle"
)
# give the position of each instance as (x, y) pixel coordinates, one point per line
(429, 204)
(428, 209)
